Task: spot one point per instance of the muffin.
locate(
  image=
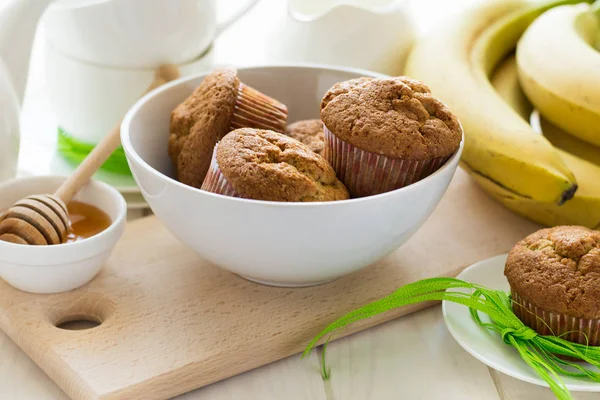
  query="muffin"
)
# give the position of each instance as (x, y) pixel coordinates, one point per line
(554, 276)
(218, 105)
(310, 132)
(385, 133)
(265, 165)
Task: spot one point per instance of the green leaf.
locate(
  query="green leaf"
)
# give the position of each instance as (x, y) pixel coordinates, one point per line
(539, 352)
(76, 151)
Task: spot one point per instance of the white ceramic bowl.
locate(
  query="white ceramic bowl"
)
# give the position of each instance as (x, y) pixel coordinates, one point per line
(283, 244)
(58, 268)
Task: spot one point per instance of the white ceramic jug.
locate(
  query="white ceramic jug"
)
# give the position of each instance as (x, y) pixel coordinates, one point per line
(101, 56)
(369, 34)
(18, 22)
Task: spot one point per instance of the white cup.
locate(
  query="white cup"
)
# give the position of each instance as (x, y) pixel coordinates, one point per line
(88, 99)
(136, 33)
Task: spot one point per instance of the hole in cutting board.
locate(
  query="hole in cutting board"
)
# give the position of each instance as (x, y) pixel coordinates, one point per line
(78, 323)
(80, 311)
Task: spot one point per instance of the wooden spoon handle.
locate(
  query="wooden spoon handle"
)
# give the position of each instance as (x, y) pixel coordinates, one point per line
(89, 166)
(107, 146)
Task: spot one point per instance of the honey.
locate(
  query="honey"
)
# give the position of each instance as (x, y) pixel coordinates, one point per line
(86, 221)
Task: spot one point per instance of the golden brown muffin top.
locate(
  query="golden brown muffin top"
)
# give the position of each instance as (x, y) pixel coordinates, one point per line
(200, 122)
(396, 117)
(266, 165)
(558, 269)
(310, 132)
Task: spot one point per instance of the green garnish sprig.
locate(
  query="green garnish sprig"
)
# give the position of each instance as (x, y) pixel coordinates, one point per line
(538, 351)
(76, 151)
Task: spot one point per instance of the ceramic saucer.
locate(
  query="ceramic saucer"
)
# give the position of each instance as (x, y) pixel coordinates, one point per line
(487, 346)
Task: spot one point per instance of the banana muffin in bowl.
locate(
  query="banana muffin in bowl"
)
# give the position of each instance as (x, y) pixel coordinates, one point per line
(382, 134)
(283, 243)
(220, 103)
(310, 132)
(265, 165)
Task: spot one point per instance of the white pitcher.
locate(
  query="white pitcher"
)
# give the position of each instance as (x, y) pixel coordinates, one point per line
(369, 34)
(18, 22)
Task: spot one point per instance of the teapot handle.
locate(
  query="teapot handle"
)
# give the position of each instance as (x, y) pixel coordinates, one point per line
(235, 15)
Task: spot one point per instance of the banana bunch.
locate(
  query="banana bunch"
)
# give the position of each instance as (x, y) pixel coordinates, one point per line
(583, 160)
(505, 155)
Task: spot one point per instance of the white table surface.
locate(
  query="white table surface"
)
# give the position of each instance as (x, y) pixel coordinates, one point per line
(411, 358)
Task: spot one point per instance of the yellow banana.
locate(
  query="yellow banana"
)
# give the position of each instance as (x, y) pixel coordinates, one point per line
(505, 81)
(559, 69)
(568, 143)
(455, 61)
(507, 85)
(584, 207)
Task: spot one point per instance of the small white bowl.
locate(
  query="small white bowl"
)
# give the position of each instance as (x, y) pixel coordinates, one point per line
(63, 267)
(282, 244)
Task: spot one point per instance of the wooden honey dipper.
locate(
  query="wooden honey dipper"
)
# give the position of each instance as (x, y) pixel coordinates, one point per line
(43, 219)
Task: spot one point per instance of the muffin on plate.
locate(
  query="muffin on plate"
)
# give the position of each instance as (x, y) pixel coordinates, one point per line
(265, 165)
(218, 105)
(385, 133)
(310, 132)
(554, 276)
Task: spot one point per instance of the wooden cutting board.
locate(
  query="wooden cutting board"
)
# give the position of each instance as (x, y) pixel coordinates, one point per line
(171, 322)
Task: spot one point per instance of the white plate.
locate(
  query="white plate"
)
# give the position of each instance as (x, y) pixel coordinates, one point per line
(487, 346)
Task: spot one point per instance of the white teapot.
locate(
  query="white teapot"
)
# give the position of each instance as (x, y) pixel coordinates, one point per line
(18, 22)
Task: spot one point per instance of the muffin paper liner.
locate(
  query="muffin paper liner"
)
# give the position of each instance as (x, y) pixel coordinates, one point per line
(573, 329)
(215, 181)
(256, 110)
(365, 173)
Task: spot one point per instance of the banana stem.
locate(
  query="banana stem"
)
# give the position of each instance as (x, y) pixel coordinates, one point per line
(595, 10)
